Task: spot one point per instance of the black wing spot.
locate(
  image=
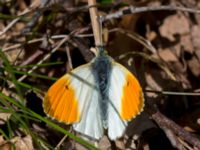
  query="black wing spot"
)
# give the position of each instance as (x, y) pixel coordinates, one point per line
(127, 83)
(67, 87)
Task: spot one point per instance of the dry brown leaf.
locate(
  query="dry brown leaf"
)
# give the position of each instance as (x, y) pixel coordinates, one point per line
(175, 24)
(179, 68)
(190, 120)
(152, 83)
(195, 33)
(1, 139)
(194, 66)
(25, 143)
(20, 26)
(6, 146)
(151, 35)
(197, 53)
(4, 117)
(181, 74)
(198, 121)
(104, 143)
(187, 44)
(167, 55)
(120, 144)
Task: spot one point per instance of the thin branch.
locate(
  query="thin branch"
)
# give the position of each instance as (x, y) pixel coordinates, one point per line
(31, 58)
(152, 59)
(185, 144)
(133, 10)
(12, 23)
(83, 47)
(44, 59)
(165, 122)
(60, 36)
(9, 48)
(138, 38)
(174, 93)
(78, 31)
(173, 139)
(69, 58)
(61, 142)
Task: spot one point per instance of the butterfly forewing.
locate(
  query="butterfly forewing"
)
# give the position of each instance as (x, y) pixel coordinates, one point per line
(60, 99)
(64, 100)
(74, 99)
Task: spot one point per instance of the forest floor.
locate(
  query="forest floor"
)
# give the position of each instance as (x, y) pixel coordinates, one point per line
(157, 40)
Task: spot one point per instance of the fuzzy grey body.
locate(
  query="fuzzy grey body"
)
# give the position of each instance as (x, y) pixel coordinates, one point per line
(101, 67)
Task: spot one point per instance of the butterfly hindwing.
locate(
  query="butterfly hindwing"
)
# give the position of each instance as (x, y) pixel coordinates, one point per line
(126, 100)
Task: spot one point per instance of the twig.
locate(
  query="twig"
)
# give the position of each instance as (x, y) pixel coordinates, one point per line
(174, 93)
(49, 54)
(138, 38)
(32, 41)
(46, 57)
(77, 9)
(163, 121)
(60, 36)
(41, 61)
(133, 10)
(95, 23)
(32, 23)
(9, 26)
(84, 49)
(60, 142)
(69, 58)
(155, 60)
(173, 139)
(32, 58)
(26, 11)
(185, 144)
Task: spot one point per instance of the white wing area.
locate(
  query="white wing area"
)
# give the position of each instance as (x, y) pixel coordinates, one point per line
(116, 126)
(90, 122)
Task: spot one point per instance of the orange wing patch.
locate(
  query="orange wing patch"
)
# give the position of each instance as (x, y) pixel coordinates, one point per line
(61, 103)
(132, 98)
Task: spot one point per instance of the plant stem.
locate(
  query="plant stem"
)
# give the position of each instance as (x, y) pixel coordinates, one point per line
(94, 19)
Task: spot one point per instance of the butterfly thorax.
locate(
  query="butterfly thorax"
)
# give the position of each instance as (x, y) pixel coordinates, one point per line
(101, 67)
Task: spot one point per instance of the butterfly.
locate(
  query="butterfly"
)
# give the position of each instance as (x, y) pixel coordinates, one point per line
(100, 95)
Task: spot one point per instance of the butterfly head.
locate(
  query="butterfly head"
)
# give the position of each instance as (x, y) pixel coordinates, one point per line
(101, 50)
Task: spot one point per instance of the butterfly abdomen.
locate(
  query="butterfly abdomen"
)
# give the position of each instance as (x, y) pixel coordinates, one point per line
(101, 67)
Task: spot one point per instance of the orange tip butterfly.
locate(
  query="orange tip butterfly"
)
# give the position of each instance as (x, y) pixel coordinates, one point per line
(101, 94)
